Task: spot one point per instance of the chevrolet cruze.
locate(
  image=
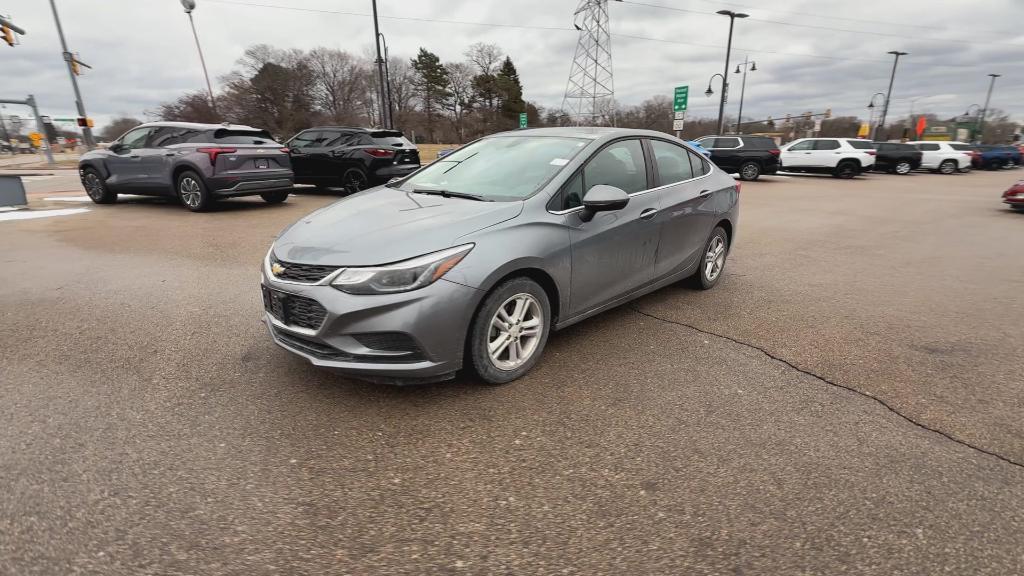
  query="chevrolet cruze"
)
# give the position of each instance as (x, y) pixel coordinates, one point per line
(476, 258)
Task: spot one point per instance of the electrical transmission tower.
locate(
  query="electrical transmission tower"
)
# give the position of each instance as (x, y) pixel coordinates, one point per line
(590, 92)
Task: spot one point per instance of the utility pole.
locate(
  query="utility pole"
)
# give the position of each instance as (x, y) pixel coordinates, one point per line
(387, 81)
(69, 58)
(984, 111)
(385, 117)
(725, 73)
(189, 6)
(888, 95)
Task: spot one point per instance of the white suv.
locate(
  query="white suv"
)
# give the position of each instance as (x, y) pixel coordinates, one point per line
(840, 157)
(944, 157)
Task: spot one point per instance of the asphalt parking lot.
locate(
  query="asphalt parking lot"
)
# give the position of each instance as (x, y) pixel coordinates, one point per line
(848, 400)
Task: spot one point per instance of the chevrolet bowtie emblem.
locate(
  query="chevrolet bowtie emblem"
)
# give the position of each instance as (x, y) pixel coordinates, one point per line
(276, 269)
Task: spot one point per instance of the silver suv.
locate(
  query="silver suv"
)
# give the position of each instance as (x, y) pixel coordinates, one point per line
(197, 163)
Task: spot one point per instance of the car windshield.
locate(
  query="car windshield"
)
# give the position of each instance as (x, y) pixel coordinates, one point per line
(501, 168)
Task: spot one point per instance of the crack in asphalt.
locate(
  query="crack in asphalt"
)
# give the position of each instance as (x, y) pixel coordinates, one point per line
(832, 383)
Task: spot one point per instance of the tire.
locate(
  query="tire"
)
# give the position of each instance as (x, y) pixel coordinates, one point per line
(750, 171)
(1017, 207)
(354, 180)
(947, 167)
(902, 168)
(1009, 164)
(193, 193)
(846, 170)
(96, 187)
(484, 332)
(965, 169)
(716, 249)
(275, 197)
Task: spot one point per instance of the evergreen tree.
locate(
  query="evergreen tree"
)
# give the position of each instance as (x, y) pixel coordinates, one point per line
(510, 91)
(431, 85)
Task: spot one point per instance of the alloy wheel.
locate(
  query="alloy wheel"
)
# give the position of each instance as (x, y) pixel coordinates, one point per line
(903, 168)
(947, 167)
(354, 181)
(714, 259)
(515, 331)
(93, 186)
(191, 193)
(749, 172)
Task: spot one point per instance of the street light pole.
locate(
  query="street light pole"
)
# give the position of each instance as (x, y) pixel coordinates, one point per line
(892, 78)
(387, 80)
(725, 73)
(189, 6)
(384, 115)
(871, 116)
(69, 58)
(743, 87)
(984, 111)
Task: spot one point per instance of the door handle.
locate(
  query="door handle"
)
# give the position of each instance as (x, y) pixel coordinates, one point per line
(134, 156)
(704, 193)
(648, 213)
(169, 153)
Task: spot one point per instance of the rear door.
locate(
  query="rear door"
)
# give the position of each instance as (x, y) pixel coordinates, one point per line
(688, 206)
(826, 153)
(931, 153)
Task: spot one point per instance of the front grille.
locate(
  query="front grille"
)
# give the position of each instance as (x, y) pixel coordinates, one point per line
(294, 310)
(306, 273)
(324, 351)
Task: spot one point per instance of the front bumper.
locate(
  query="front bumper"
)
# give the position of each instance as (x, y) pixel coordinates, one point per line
(435, 318)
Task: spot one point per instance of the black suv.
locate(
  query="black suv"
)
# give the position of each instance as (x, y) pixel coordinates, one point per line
(353, 158)
(749, 156)
(896, 157)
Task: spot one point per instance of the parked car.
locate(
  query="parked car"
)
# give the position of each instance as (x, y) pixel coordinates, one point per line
(351, 158)
(1014, 196)
(840, 157)
(749, 156)
(994, 157)
(699, 148)
(944, 157)
(197, 163)
(489, 249)
(897, 158)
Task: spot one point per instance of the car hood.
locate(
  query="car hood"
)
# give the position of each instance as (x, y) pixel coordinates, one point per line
(385, 225)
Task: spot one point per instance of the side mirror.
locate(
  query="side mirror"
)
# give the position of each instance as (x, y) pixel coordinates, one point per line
(117, 148)
(603, 198)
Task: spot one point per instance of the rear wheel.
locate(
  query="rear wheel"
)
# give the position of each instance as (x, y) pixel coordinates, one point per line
(750, 171)
(846, 170)
(96, 187)
(275, 197)
(716, 250)
(902, 167)
(1009, 163)
(193, 193)
(947, 167)
(510, 330)
(354, 180)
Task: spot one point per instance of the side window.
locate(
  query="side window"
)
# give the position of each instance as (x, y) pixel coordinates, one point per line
(699, 164)
(573, 192)
(727, 143)
(307, 139)
(826, 144)
(621, 165)
(166, 136)
(928, 147)
(673, 162)
(136, 138)
(800, 146)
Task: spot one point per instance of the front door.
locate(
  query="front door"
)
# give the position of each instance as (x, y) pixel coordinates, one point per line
(614, 253)
(126, 166)
(798, 154)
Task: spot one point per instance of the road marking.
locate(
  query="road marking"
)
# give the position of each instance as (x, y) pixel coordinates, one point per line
(9, 208)
(28, 215)
(68, 199)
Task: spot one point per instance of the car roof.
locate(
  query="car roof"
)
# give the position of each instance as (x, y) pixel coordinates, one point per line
(199, 126)
(587, 132)
(354, 128)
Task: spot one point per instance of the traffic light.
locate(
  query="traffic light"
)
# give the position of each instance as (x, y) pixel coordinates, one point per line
(8, 35)
(83, 122)
(74, 67)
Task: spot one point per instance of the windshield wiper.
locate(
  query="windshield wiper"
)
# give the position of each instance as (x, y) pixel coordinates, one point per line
(449, 194)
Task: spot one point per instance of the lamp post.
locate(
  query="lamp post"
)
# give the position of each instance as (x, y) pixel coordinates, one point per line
(743, 86)
(709, 92)
(725, 72)
(189, 6)
(977, 119)
(871, 113)
(384, 116)
(892, 78)
(984, 111)
(387, 81)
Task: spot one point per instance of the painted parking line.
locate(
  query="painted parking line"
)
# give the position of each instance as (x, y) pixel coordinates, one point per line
(31, 214)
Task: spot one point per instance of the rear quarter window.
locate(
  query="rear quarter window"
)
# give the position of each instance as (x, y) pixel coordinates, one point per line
(862, 144)
(226, 136)
(926, 147)
(960, 147)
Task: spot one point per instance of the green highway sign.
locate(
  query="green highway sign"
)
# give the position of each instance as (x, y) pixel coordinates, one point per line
(679, 100)
(522, 119)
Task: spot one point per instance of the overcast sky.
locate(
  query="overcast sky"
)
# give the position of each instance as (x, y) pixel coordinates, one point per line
(810, 55)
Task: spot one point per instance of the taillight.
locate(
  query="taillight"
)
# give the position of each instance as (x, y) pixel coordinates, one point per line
(285, 150)
(775, 151)
(214, 152)
(380, 152)
(871, 152)
(738, 185)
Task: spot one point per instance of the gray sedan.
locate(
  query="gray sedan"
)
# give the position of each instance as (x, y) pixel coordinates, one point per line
(476, 258)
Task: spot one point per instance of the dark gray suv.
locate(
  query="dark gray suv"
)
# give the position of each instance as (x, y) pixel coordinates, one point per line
(197, 163)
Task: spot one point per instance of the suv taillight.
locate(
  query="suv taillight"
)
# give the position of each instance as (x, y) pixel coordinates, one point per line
(214, 152)
(871, 152)
(775, 152)
(380, 152)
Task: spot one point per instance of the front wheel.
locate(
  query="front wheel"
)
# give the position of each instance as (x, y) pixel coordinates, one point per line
(750, 171)
(193, 193)
(716, 250)
(510, 330)
(275, 197)
(96, 188)
(902, 167)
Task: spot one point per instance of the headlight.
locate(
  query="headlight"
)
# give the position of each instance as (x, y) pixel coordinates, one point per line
(402, 276)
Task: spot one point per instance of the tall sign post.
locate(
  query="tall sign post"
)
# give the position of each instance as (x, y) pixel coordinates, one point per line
(680, 99)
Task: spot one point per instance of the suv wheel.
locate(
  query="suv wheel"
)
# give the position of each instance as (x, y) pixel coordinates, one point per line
(947, 167)
(96, 188)
(1009, 164)
(902, 167)
(193, 193)
(275, 197)
(750, 171)
(846, 170)
(510, 330)
(354, 180)
(716, 250)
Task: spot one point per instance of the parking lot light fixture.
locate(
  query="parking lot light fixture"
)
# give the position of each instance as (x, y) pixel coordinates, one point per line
(892, 78)
(189, 6)
(984, 110)
(871, 113)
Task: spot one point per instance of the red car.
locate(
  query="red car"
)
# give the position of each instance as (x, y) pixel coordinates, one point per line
(1014, 196)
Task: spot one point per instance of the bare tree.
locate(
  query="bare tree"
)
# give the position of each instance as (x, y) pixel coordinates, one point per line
(485, 57)
(117, 127)
(339, 84)
(460, 88)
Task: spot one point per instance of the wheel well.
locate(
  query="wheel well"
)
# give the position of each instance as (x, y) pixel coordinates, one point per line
(848, 161)
(727, 226)
(546, 282)
(177, 173)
